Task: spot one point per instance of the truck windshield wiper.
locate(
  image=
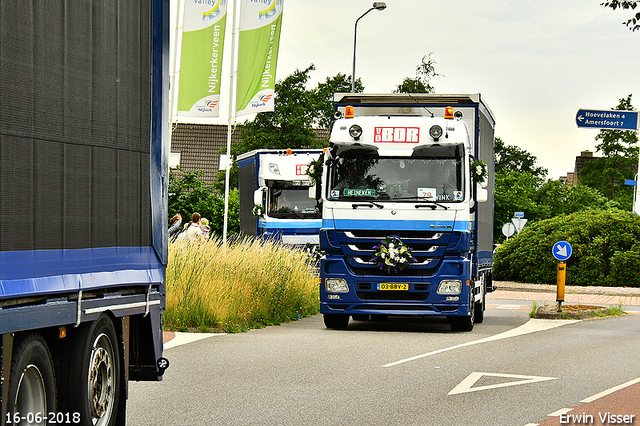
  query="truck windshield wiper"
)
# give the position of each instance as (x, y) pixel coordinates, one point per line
(369, 203)
(423, 202)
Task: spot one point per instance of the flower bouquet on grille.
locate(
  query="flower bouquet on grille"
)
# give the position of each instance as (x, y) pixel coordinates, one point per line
(392, 255)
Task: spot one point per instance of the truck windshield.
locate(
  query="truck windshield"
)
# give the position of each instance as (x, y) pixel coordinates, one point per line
(425, 178)
(292, 203)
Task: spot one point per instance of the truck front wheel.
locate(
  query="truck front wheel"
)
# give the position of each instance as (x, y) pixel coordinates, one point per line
(464, 323)
(32, 389)
(339, 321)
(95, 374)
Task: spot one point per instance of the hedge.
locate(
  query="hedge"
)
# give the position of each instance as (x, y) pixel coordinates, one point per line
(606, 250)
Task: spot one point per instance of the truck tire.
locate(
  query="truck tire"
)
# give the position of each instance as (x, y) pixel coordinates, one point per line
(481, 305)
(95, 373)
(32, 388)
(338, 321)
(460, 323)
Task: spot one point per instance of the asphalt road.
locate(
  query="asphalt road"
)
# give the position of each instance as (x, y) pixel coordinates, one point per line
(507, 371)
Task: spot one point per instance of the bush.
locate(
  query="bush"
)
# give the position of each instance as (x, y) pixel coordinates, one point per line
(606, 250)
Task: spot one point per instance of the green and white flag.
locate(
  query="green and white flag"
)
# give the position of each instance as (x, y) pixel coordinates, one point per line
(260, 24)
(200, 67)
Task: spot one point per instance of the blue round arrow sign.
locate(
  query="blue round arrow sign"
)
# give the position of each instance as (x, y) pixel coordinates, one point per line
(562, 250)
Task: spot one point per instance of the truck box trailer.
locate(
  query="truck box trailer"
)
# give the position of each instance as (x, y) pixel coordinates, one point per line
(83, 206)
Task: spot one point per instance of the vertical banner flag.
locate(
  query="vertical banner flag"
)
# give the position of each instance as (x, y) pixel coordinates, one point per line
(259, 39)
(200, 68)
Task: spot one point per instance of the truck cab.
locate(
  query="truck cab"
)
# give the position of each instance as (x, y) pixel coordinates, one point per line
(395, 178)
(274, 196)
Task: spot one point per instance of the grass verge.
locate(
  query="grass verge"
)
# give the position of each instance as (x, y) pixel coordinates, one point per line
(235, 287)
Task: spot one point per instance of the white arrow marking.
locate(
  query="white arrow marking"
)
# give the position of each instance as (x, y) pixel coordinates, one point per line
(466, 384)
(562, 251)
(580, 118)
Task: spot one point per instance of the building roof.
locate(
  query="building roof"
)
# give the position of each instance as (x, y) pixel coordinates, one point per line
(199, 146)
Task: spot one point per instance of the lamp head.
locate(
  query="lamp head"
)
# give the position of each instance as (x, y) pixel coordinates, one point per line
(380, 5)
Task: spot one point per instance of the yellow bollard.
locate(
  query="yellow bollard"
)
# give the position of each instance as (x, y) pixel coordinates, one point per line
(562, 272)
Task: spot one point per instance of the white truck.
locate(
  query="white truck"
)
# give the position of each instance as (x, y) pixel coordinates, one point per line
(407, 197)
(274, 196)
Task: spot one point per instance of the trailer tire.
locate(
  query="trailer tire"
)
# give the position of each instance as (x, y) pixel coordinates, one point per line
(32, 386)
(338, 321)
(95, 373)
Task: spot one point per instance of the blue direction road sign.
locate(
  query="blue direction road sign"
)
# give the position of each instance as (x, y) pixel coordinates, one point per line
(607, 119)
(562, 250)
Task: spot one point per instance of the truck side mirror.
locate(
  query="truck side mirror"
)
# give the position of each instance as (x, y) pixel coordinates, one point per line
(258, 196)
(482, 195)
(312, 192)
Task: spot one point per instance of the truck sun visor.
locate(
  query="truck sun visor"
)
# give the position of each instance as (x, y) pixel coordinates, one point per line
(440, 151)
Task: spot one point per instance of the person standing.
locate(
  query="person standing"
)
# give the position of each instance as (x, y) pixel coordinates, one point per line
(174, 229)
(193, 230)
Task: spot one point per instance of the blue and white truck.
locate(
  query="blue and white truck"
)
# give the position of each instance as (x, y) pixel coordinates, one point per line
(84, 130)
(274, 196)
(407, 208)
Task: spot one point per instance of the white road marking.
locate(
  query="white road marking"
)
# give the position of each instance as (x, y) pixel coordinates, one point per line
(612, 390)
(467, 384)
(184, 338)
(508, 307)
(560, 412)
(532, 326)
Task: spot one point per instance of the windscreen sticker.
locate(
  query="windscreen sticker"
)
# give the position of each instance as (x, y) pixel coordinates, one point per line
(359, 192)
(428, 193)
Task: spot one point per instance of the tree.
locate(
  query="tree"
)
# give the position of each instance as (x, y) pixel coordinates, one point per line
(421, 83)
(517, 182)
(633, 23)
(188, 194)
(619, 162)
(323, 97)
(514, 191)
(512, 158)
(290, 125)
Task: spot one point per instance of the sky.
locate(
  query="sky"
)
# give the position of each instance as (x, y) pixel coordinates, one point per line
(535, 62)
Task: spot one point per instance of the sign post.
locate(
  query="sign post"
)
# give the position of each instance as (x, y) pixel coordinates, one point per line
(508, 229)
(562, 251)
(607, 119)
(612, 119)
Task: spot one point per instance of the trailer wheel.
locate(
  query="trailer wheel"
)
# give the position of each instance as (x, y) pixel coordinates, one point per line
(95, 374)
(339, 321)
(32, 389)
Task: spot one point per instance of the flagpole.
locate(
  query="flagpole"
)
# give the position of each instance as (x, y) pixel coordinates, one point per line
(232, 116)
(177, 49)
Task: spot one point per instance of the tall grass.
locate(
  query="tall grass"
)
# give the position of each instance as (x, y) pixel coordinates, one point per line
(241, 285)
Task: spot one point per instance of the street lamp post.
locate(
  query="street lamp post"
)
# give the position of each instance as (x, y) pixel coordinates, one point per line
(378, 5)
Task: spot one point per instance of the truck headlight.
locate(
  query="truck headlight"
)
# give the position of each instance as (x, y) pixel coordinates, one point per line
(435, 132)
(336, 285)
(355, 131)
(449, 287)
